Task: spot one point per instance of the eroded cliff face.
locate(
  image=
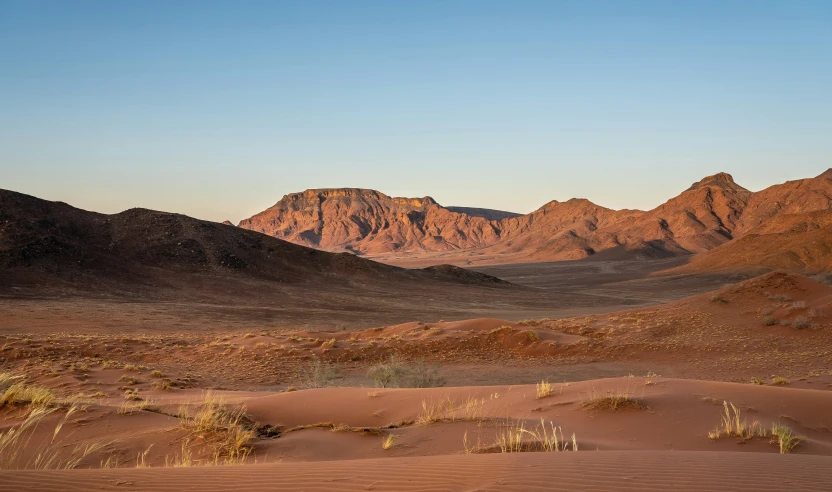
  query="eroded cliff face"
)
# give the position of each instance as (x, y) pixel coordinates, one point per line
(710, 213)
(366, 221)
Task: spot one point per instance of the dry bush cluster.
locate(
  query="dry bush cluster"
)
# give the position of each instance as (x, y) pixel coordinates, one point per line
(396, 372)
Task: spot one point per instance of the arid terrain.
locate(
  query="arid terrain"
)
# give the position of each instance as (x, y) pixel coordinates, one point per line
(152, 351)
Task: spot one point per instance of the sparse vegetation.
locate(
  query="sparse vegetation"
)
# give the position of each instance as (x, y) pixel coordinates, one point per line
(778, 297)
(424, 375)
(162, 384)
(612, 400)
(514, 437)
(226, 430)
(716, 297)
(395, 372)
(756, 380)
(802, 323)
(17, 451)
(432, 412)
(543, 389)
(779, 381)
(388, 373)
(319, 374)
(15, 391)
(783, 437)
(389, 441)
(733, 425)
(531, 335)
(769, 321)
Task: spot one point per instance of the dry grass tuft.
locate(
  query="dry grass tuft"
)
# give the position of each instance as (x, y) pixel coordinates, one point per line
(514, 437)
(433, 412)
(227, 430)
(18, 452)
(779, 381)
(15, 391)
(389, 441)
(733, 425)
(783, 437)
(543, 389)
(612, 400)
(130, 407)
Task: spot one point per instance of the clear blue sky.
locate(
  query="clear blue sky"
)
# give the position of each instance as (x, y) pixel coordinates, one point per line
(217, 109)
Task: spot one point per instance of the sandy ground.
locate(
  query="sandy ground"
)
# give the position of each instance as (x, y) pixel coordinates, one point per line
(612, 471)
(129, 384)
(546, 290)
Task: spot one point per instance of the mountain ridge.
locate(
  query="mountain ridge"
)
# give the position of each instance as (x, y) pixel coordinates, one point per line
(711, 212)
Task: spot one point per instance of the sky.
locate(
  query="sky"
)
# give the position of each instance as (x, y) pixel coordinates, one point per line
(217, 109)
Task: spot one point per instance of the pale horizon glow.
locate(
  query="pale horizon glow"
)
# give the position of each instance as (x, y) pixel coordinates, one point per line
(216, 109)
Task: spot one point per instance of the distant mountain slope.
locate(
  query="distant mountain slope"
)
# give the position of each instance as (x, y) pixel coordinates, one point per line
(40, 239)
(791, 197)
(485, 213)
(371, 223)
(366, 221)
(799, 242)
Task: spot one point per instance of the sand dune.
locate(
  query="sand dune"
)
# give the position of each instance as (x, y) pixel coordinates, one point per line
(597, 471)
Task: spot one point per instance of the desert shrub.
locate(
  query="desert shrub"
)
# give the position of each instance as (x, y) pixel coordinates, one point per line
(779, 380)
(162, 384)
(389, 373)
(531, 335)
(769, 321)
(756, 380)
(395, 372)
(801, 323)
(778, 297)
(798, 305)
(319, 374)
(129, 380)
(718, 298)
(424, 375)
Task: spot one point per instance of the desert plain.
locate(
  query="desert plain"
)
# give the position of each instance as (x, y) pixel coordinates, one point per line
(346, 340)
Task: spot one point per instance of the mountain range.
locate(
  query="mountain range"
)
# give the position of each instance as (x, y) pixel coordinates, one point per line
(712, 212)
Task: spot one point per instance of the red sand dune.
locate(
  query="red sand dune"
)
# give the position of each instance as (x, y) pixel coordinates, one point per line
(661, 444)
(603, 471)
